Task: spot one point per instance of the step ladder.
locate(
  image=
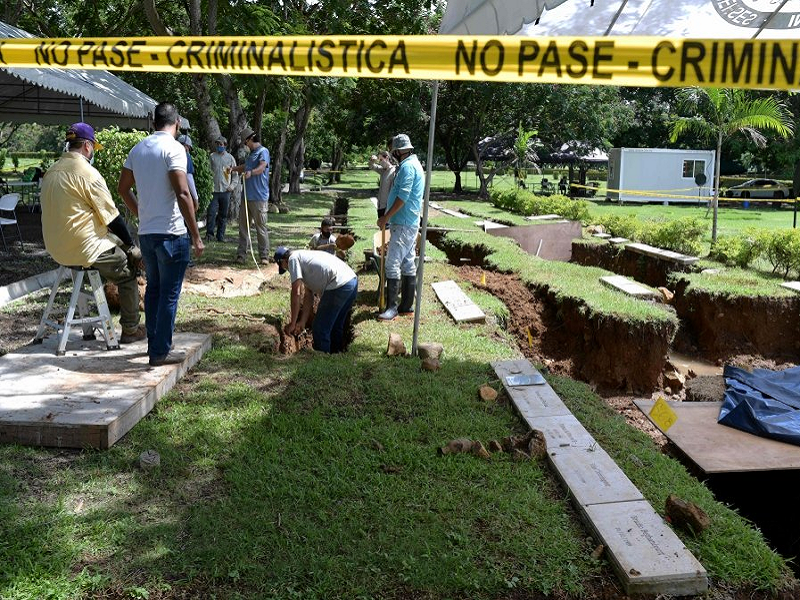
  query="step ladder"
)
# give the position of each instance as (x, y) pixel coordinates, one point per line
(80, 300)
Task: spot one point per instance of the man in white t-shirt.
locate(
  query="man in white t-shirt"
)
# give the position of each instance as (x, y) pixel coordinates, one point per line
(163, 203)
(322, 274)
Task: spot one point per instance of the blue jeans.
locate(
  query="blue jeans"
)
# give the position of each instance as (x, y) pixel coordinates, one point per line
(165, 260)
(217, 217)
(332, 311)
(401, 252)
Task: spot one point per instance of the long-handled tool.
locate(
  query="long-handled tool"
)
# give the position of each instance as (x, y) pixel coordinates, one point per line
(381, 297)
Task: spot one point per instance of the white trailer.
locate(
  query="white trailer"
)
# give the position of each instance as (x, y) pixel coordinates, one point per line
(660, 175)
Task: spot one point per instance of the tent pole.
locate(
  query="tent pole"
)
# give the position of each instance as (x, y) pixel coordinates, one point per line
(424, 227)
(81, 99)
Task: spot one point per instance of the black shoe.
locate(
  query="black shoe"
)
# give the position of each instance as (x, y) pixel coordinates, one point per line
(173, 358)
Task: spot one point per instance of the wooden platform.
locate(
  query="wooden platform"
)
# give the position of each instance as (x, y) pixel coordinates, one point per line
(457, 303)
(718, 448)
(669, 255)
(89, 398)
(645, 553)
(627, 286)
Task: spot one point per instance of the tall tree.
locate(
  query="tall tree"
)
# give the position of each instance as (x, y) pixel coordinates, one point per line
(719, 114)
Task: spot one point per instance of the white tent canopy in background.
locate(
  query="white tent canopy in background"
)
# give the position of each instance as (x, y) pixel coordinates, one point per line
(64, 96)
(705, 19)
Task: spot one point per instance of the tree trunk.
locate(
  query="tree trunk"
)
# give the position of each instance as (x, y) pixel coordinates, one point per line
(275, 185)
(297, 148)
(457, 189)
(715, 201)
(337, 162)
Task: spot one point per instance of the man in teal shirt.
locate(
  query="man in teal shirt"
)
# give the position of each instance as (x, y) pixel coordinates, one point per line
(255, 172)
(403, 210)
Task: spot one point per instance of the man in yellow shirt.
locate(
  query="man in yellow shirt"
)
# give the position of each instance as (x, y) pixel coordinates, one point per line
(77, 215)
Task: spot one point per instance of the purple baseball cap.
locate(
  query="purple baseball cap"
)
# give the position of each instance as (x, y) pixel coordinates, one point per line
(82, 131)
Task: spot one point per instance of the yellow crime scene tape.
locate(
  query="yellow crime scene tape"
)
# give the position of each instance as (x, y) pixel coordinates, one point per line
(666, 194)
(621, 61)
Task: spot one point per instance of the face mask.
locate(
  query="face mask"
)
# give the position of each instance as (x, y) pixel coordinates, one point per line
(91, 158)
(221, 149)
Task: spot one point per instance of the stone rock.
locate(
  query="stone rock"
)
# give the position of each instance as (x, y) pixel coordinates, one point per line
(705, 388)
(272, 207)
(396, 346)
(666, 295)
(519, 456)
(495, 446)
(537, 445)
(479, 451)
(149, 459)
(431, 364)
(457, 446)
(674, 380)
(487, 393)
(591, 229)
(598, 552)
(430, 350)
(686, 515)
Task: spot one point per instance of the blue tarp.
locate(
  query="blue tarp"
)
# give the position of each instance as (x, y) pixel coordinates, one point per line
(766, 403)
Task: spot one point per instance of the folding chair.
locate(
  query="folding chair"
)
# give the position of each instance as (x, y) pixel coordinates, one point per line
(8, 216)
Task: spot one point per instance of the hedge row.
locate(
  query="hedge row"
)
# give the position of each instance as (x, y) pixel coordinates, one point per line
(682, 235)
(780, 248)
(526, 203)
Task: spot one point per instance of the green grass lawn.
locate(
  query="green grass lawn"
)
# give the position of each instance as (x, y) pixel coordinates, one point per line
(312, 476)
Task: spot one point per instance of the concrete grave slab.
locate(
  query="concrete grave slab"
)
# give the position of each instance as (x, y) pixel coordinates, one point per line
(792, 285)
(488, 225)
(718, 448)
(457, 303)
(602, 236)
(19, 289)
(669, 255)
(618, 240)
(563, 431)
(543, 217)
(627, 286)
(90, 397)
(645, 553)
(592, 476)
(532, 401)
(374, 201)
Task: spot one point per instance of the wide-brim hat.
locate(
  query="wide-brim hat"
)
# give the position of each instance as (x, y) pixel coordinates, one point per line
(221, 139)
(247, 133)
(401, 142)
(186, 140)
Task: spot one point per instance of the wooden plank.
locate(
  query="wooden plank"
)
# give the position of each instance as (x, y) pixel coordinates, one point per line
(627, 286)
(792, 285)
(90, 397)
(669, 255)
(460, 307)
(718, 448)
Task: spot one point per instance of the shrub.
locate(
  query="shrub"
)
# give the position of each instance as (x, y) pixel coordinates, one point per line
(109, 160)
(203, 179)
(782, 249)
(525, 203)
(679, 235)
(15, 162)
(3, 154)
(627, 226)
(739, 250)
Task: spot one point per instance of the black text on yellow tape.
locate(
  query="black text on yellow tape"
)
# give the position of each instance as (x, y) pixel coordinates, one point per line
(626, 60)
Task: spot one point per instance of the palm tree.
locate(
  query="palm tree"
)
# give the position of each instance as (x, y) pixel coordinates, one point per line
(721, 113)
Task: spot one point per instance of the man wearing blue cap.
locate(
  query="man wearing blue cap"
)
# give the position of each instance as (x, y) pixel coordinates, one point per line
(403, 210)
(332, 280)
(77, 215)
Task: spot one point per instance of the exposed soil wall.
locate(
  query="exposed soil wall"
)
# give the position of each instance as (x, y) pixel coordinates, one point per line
(720, 327)
(645, 269)
(603, 350)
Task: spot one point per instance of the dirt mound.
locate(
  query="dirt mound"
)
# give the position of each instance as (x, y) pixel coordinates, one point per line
(225, 282)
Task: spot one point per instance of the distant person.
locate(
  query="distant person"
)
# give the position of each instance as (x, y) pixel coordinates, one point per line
(77, 215)
(324, 240)
(222, 163)
(157, 167)
(403, 212)
(332, 280)
(563, 186)
(188, 146)
(383, 165)
(256, 192)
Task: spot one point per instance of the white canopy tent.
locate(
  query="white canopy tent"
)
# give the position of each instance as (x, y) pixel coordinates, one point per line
(709, 19)
(64, 96)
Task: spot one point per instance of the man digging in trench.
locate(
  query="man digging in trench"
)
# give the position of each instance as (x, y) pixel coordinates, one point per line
(330, 278)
